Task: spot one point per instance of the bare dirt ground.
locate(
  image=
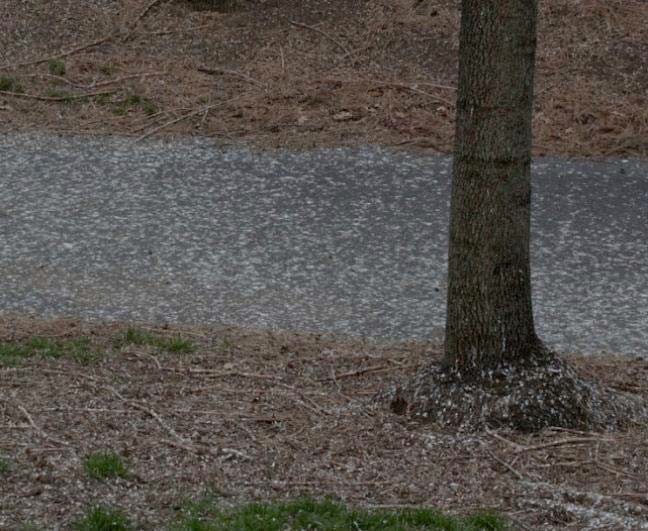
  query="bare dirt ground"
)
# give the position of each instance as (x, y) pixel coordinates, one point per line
(305, 73)
(263, 415)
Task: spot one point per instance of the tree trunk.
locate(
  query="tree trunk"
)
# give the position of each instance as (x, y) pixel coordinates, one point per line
(496, 373)
(490, 319)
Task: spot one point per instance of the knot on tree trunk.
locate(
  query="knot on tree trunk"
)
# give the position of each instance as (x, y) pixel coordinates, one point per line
(524, 398)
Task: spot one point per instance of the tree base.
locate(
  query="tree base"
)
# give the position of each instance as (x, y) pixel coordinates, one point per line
(527, 398)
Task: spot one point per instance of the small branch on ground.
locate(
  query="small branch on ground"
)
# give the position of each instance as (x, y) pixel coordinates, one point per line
(508, 466)
(55, 98)
(381, 82)
(425, 142)
(183, 117)
(173, 332)
(59, 79)
(374, 369)
(151, 357)
(315, 483)
(224, 374)
(139, 18)
(153, 414)
(181, 30)
(59, 55)
(504, 439)
(377, 83)
(317, 30)
(411, 88)
(564, 442)
(593, 497)
(307, 402)
(617, 472)
(124, 78)
(216, 71)
(38, 429)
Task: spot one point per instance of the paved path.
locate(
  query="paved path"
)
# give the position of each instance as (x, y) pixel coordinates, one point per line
(350, 241)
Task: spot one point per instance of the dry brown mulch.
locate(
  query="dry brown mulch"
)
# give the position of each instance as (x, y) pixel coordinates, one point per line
(306, 73)
(258, 415)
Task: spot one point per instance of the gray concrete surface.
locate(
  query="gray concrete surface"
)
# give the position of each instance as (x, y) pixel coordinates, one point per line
(350, 241)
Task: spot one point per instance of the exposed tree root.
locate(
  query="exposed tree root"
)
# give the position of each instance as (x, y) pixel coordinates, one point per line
(526, 399)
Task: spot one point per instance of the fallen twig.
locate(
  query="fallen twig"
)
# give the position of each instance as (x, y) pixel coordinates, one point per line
(283, 59)
(563, 442)
(38, 429)
(504, 439)
(592, 497)
(145, 11)
(424, 142)
(314, 483)
(59, 55)
(416, 90)
(173, 332)
(55, 98)
(153, 414)
(395, 85)
(508, 466)
(613, 470)
(139, 17)
(183, 117)
(181, 30)
(150, 356)
(317, 30)
(224, 374)
(124, 78)
(60, 80)
(358, 372)
(381, 82)
(234, 73)
(375, 368)
(178, 440)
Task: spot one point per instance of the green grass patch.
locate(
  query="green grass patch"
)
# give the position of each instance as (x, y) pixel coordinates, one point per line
(11, 84)
(105, 465)
(77, 349)
(326, 515)
(107, 70)
(175, 344)
(227, 344)
(102, 518)
(56, 67)
(5, 466)
(214, 5)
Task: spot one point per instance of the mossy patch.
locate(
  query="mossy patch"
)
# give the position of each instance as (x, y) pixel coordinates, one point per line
(56, 67)
(11, 84)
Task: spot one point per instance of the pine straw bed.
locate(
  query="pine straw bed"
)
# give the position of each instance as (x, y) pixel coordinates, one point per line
(259, 415)
(307, 73)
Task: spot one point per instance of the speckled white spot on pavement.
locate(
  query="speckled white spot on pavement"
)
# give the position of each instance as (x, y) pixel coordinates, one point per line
(351, 241)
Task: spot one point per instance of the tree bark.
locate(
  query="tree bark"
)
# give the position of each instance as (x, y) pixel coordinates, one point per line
(489, 314)
(496, 372)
